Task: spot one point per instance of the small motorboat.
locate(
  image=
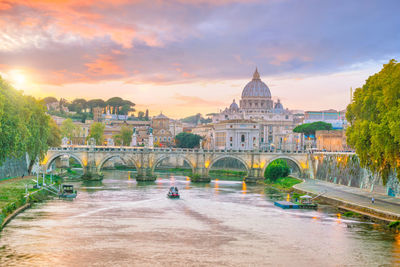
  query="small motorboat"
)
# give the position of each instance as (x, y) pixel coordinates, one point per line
(67, 191)
(173, 192)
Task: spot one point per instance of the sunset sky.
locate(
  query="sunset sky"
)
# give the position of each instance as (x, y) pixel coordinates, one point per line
(188, 56)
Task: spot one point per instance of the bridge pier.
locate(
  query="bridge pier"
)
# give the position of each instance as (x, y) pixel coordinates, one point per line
(200, 175)
(255, 175)
(90, 173)
(145, 174)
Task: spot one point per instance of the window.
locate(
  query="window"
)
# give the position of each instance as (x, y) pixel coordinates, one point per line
(230, 138)
(243, 138)
(254, 126)
(230, 126)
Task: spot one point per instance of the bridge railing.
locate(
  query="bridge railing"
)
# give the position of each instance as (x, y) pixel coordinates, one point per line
(178, 150)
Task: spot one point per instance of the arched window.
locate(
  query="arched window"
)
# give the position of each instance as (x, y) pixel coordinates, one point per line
(242, 138)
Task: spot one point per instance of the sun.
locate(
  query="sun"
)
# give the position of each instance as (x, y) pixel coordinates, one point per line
(17, 77)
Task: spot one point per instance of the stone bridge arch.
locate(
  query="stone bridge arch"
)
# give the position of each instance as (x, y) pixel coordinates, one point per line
(52, 158)
(126, 160)
(213, 161)
(294, 160)
(159, 159)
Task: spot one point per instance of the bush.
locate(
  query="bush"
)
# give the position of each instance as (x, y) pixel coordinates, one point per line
(277, 169)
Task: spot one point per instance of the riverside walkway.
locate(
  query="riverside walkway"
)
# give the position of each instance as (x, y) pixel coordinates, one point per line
(352, 198)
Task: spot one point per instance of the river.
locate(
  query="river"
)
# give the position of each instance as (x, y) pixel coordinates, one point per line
(118, 222)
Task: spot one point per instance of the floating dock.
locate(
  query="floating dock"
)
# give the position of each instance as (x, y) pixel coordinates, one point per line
(290, 205)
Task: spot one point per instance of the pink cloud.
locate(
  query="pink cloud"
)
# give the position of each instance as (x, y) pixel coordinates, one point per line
(104, 65)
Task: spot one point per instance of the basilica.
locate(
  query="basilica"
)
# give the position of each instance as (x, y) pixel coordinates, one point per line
(257, 122)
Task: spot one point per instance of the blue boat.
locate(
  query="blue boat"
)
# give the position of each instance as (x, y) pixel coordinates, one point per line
(286, 205)
(67, 191)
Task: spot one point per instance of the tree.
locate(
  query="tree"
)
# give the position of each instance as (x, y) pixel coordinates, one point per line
(54, 139)
(117, 139)
(374, 117)
(140, 115)
(97, 132)
(38, 131)
(187, 140)
(277, 169)
(115, 102)
(95, 103)
(310, 128)
(68, 129)
(50, 99)
(12, 122)
(79, 105)
(126, 135)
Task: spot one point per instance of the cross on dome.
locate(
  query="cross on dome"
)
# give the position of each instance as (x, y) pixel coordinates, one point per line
(256, 75)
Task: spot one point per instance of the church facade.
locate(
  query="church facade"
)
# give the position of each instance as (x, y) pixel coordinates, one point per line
(274, 124)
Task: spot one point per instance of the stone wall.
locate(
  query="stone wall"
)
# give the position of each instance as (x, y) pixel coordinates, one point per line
(345, 169)
(13, 167)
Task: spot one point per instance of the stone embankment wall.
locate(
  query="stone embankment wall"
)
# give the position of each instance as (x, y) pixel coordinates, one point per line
(13, 167)
(345, 169)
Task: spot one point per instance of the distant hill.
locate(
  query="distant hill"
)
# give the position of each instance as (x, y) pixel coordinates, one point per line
(196, 119)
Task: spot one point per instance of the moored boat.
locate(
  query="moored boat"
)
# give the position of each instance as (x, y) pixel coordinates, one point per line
(67, 191)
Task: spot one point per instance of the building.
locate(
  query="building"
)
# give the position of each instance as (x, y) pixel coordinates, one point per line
(332, 140)
(237, 134)
(97, 114)
(275, 123)
(161, 131)
(334, 117)
(207, 132)
(175, 127)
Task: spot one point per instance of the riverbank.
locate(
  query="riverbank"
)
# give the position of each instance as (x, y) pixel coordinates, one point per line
(16, 195)
(284, 184)
(384, 209)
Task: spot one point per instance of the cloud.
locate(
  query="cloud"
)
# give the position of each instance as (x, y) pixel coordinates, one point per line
(182, 42)
(191, 101)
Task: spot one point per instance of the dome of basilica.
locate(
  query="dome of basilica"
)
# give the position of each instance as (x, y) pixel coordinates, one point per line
(234, 106)
(256, 88)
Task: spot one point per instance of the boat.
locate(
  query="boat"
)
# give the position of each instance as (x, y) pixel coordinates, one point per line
(305, 203)
(67, 191)
(173, 192)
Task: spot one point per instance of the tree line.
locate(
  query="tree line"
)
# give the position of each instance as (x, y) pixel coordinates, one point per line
(83, 109)
(24, 126)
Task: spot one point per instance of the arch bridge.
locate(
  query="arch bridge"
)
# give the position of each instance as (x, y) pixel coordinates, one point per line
(92, 159)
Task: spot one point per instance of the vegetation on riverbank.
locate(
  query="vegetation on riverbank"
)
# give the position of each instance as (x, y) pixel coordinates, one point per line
(13, 195)
(283, 183)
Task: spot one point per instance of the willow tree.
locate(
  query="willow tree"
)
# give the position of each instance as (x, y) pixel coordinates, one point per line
(374, 117)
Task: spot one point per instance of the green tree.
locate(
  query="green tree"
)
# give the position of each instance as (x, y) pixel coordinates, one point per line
(12, 122)
(277, 169)
(310, 128)
(140, 115)
(126, 135)
(374, 117)
(68, 129)
(117, 139)
(187, 140)
(54, 139)
(38, 131)
(50, 99)
(97, 132)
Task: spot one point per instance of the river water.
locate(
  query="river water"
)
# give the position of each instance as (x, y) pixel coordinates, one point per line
(118, 222)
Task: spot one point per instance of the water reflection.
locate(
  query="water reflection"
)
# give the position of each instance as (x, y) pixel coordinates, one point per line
(121, 222)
